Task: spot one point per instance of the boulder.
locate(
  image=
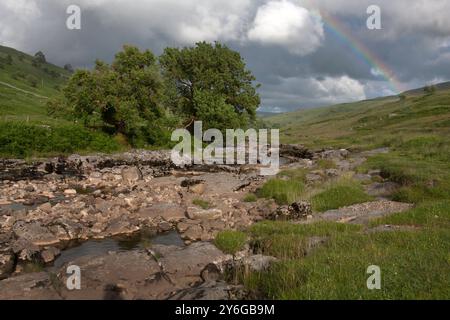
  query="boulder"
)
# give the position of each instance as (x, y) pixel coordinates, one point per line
(35, 233)
(50, 254)
(131, 175)
(184, 266)
(257, 263)
(195, 213)
(198, 189)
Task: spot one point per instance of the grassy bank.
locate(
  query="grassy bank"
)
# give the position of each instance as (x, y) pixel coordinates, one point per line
(414, 260)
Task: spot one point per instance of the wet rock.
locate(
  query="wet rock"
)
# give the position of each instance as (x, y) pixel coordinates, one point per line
(29, 286)
(192, 233)
(25, 250)
(164, 226)
(35, 233)
(7, 261)
(69, 227)
(50, 254)
(37, 200)
(134, 274)
(120, 226)
(203, 214)
(167, 211)
(131, 175)
(184, 266)
(211, 290)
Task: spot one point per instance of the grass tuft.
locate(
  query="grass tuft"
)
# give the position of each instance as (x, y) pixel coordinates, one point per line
(230, 241)
(338, 194)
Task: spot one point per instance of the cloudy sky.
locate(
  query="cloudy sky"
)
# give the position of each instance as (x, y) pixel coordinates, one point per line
(304, 53)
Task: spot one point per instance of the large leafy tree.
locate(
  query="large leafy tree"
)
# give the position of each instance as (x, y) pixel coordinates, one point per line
(123, 97)
(210, 82)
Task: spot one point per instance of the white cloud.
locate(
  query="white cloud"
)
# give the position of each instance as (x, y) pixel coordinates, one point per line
(295, 92)
(287, 24)
(15, 13)
(185, 21)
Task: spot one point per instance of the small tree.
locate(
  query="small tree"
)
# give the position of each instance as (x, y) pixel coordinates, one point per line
(210, 83)
(122, 97)
(68, 67)
(39, 58)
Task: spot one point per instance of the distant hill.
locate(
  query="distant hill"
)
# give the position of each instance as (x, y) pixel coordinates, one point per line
(369, 123)
(440, 86)
(25, 87)
(264, 114)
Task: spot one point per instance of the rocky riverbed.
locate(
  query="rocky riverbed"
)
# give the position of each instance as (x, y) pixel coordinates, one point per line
(51, 206)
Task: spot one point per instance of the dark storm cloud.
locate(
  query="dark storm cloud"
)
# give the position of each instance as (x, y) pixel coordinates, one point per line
(297, 58)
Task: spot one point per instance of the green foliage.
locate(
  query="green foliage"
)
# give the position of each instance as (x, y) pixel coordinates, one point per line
(213, 110)
(120, 98)
(210, 83)
(339, 194)
(230, 242)
(26, 140)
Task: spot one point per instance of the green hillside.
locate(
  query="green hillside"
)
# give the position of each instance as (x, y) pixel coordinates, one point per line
(370, 123)
(25, 88)
(413, 252)
(25, 128)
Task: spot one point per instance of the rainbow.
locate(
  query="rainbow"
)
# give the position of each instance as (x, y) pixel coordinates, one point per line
(346, 36)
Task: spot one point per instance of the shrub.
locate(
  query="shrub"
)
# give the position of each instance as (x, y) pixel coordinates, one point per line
(23, 140)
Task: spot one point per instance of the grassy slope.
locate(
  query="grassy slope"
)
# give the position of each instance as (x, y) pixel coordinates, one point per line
(415, 264)
(17, 105)
(25, 128)
(367, 124)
